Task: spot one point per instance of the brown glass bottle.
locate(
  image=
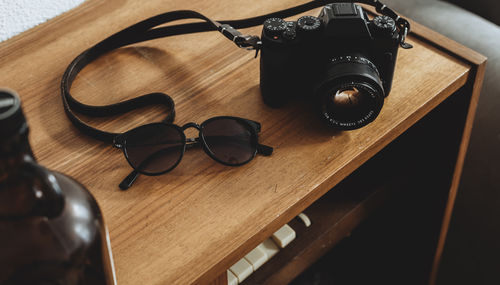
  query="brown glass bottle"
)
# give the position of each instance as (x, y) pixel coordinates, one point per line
(51, 229)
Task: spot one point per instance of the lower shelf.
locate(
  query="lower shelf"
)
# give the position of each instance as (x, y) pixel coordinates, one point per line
(333, 217)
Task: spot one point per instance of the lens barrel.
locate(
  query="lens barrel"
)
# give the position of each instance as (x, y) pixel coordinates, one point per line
(351, 94)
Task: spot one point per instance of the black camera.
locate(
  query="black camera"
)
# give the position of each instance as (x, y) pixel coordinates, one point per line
(341, 60)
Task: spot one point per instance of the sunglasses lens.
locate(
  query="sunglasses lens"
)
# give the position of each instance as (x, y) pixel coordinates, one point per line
(155, 148)
(230, 141)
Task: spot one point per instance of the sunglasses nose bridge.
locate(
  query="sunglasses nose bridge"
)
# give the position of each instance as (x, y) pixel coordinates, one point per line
(190, 125)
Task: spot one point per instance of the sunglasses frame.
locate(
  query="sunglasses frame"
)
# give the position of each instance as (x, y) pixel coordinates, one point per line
(254, 127)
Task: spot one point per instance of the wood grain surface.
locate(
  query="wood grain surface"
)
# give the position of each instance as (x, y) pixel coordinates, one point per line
(194, 222)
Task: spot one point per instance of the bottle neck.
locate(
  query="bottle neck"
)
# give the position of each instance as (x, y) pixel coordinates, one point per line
(14, 152)
(16, 194)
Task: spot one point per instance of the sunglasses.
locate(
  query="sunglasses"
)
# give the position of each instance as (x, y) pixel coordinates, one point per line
(157, 148)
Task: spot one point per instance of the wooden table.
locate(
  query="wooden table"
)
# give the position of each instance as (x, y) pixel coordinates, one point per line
(193, 223)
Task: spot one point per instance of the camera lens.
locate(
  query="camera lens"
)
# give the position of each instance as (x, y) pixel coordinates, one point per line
(351, 96)
(348, 98)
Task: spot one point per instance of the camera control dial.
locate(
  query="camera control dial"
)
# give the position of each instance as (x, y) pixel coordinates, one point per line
(274, 26)
(290, 34)
(308, 23)
(384, 24)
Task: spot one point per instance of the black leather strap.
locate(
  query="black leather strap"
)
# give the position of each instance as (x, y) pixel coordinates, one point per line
(146, 30)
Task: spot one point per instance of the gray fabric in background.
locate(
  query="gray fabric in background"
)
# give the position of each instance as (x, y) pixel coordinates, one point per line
(472, 251)
(488, 9)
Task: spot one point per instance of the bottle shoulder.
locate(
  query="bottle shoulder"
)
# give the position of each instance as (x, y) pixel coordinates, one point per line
(77, 227)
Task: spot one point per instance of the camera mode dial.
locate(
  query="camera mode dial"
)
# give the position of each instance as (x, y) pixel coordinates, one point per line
(308, 23)
(274, 26)
(384, 24)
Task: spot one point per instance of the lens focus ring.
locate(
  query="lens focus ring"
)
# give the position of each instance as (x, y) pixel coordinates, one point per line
(355, 59)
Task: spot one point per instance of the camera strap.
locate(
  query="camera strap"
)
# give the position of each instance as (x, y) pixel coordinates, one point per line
(148, 30)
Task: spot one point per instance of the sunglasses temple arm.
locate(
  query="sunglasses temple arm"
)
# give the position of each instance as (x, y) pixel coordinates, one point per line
(129, 180)
(261, 149)
(264, 150)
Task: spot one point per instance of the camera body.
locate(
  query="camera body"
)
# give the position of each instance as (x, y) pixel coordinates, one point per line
(341, 59)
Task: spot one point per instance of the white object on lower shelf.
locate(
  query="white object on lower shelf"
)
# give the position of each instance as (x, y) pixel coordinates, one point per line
(260, 255)
(284, 236)
(269, 247)
(231, 279)
(257, 257)
(241, 269)
(304, 219)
